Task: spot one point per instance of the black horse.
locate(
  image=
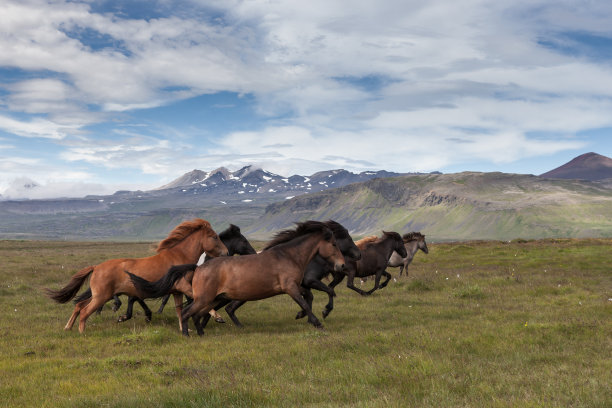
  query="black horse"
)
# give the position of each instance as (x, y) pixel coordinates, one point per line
(231, 237)
(316, 270)
(374, 258)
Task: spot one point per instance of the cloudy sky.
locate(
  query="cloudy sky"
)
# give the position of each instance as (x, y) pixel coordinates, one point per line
(101, 95)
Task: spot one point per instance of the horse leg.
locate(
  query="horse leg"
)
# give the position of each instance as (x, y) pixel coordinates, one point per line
(213, 313)
(129, 311)
(386, 282)
(116, 303)
(231, 308)
(350, 283)
(195, 309)
(338, 277)
(307, 295)
(75, 313)
(146, 309)
(178, 306)
(163, 303)
(318, 285)
(402, 269)
(94, 304)
(376, 283)
(294, 292)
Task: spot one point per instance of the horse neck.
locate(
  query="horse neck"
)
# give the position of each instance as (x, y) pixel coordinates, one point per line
(387, 244)
(411, 247)
(303, 253)
(186, 251)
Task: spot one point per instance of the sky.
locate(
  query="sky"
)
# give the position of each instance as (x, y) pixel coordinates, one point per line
(99, 96)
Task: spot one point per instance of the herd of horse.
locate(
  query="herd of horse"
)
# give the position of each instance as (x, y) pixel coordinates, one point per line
(294, 262)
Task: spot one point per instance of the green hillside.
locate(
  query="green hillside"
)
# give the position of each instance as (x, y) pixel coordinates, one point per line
(456, 206)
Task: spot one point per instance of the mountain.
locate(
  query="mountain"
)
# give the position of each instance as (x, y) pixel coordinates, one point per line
(589, 166)
(254, 182)
(455, 207)
(148, 215)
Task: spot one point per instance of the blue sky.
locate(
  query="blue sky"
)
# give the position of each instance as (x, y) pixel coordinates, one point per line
(97, 96)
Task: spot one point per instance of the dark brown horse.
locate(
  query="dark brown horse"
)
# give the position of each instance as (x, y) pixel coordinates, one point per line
(413, 241)
(316, 270)
(183, 245)
(277, 270)
(374, 257)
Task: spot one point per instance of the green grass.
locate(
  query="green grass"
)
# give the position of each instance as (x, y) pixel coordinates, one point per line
(497, 324)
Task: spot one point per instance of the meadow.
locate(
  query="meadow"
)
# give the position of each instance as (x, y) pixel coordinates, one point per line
(496, 324)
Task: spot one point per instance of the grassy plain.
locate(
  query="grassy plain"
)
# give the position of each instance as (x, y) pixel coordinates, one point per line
(496, 324)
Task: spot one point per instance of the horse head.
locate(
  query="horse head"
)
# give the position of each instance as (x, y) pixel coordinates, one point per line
(235, 242)
(328, 249)
(344, 241)
(211, 243)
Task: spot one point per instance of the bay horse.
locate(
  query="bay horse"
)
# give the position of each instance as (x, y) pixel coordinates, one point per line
(317, 269)
(184, 244)
(413, 241)
(276, 270)
(236, 244)
(375, 255)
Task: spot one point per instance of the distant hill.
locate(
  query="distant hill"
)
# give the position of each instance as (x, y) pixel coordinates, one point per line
(456, 207)
(220, 196)
(589, 166)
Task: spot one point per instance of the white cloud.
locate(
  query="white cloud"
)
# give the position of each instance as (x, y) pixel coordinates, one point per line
(387, 84)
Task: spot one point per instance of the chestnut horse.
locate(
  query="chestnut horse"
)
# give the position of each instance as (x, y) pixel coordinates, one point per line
(277, 270)
(375, 254)
(183, 245)
(413, 241)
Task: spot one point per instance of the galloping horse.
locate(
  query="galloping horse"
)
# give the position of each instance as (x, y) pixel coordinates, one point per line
(413, 241)
(316, 270)
(183, 245)
(277, 270)
(236, 244)
(375, 254)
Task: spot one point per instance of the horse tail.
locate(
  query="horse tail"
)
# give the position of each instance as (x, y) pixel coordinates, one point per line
(83, 296)
(163, 286)
(70, 290)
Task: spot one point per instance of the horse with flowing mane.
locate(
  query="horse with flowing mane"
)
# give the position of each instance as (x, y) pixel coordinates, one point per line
(317, 269)
(375, 254)
(183, 245)
(276, 270)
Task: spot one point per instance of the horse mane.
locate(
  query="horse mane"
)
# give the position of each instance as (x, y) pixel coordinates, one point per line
(303, 228)
(393, 234)
(232, 231)
(366, 241)
(339, 231)
(412, 236)
(182, 231)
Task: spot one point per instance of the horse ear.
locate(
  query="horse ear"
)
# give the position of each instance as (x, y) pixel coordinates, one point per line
(235, 228)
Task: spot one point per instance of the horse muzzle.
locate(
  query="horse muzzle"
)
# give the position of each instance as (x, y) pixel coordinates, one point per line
(338, 267)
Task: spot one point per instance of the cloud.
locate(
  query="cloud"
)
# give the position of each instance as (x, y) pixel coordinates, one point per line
(406, 86)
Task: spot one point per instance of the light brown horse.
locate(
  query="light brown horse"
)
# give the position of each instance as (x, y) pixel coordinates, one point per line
(279, 269)
(183, 245)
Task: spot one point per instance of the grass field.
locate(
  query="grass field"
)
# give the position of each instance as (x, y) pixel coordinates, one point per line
(476, 324)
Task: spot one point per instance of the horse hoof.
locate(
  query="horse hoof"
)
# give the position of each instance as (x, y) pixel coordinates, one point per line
(219, 320)
(148, 319)
(325, 313)
(299, 315)
(122, 319)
